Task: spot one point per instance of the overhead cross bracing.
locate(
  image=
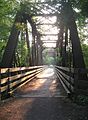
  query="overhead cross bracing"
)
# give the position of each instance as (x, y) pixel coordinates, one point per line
(41, 7)
(45, 15)
(49, 28)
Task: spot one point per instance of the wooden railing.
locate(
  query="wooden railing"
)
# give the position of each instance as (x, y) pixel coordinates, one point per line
(81, 84)
(12, 78)
(69, 77)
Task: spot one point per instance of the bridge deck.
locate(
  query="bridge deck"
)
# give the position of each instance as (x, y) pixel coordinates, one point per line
(42, 99)
(44, 85)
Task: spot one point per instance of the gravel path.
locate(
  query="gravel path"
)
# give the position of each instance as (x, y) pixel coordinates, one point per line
(42, 99)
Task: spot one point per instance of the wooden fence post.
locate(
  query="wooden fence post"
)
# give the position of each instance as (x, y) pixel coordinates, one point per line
(0, 84)
(8, 83)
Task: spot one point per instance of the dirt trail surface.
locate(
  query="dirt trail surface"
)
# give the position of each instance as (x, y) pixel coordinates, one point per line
(42, 99)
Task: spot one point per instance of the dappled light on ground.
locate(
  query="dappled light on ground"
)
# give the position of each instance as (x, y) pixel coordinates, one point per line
(49, 72)
(44, 85)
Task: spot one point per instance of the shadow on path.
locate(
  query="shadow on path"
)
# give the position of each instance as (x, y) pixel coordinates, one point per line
(42, 99)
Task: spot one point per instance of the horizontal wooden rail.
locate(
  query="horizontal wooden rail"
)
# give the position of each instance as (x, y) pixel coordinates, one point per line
(12, 78)
(71, 81)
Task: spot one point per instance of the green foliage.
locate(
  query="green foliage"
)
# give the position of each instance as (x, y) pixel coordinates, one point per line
(8, 9)
(2, 47)
(58, 60)
(85, 53)
(49, 60)
(81, 99)
(84, 7)
(20, 26)
(22, 51)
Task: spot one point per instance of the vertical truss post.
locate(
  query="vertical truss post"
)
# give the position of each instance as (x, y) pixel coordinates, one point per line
(60, 40)
(33, 50)
(64, 53)
(33, 56)
(39, 49)
(28, 45)
(9, 52)
(78, 61)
